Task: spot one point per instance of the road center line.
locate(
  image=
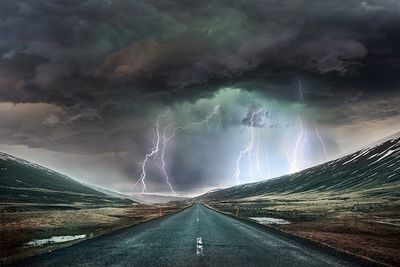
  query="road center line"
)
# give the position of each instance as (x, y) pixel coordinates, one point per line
(199, 246)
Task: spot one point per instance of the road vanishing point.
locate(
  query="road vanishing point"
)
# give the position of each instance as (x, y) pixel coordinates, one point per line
(196, 236)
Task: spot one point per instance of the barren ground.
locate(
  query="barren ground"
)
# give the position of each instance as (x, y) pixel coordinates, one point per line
(368, 228)
(18, 228)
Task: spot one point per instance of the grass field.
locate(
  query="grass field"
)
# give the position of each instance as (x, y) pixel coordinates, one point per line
(19, 228)
(367, 227)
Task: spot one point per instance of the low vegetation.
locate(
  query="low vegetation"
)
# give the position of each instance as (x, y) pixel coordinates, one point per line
(351, 204)
(20, 228)
(365, 227)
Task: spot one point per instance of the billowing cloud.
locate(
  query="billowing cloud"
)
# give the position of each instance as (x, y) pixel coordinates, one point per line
(90, 77)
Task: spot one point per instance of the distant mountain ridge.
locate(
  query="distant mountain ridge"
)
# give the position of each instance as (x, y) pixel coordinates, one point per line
(113, 193)
(154, 198)
(22, 181)
(374, 170)
(143, 198)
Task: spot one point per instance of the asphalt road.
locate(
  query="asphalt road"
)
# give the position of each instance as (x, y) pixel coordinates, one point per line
(196, 236)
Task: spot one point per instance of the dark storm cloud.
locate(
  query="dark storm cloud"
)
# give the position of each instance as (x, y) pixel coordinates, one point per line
(108, 67)
(255, 117)
(164, 46)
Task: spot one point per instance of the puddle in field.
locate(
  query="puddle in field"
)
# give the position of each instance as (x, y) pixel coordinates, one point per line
(54, 239)
(269, 220)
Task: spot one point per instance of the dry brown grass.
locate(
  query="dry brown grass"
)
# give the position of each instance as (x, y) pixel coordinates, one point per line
(367, 227)
(377, 241)
(18, 228)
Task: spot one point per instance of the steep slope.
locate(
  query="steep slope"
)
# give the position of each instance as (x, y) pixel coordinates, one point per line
(25, 182)
(374, 170)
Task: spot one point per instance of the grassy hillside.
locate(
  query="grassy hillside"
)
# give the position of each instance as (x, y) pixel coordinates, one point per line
(25, 182)
(374, 171)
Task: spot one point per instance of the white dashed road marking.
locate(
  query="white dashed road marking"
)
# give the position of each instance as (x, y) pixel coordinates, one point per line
(199, 246)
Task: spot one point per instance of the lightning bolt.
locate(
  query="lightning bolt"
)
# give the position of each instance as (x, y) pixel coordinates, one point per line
(301, 138)
(166, 139)
(163, 167)
(152, 153)
(321, 141)
(247, 149)
(268, 166)
(260, 173)
(284, 152)
(249, 155)
(300, 88)
(192, 124)
(219, 123)
(303, 132)
(266, 159)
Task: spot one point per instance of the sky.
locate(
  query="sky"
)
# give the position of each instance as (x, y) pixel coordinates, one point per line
(238, 91)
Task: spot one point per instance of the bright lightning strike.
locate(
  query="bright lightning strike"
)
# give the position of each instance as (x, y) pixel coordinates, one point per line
(321, 141)
(249, 156)
(257, 154)
(268, 166)
(301, 138)
(304, 133)
(300, 88)
(297, 147)
(192, 124)
(248, 148)
(163, 167)
(174, 132)
(284, 152)
(152, 153)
